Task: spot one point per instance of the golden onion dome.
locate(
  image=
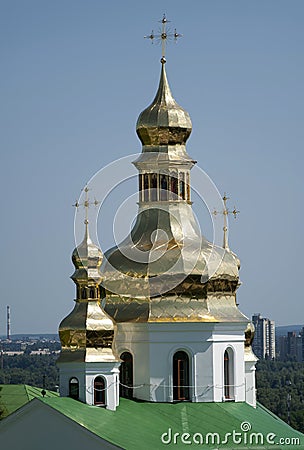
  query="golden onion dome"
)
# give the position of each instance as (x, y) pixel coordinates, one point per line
(87, 258)
(87, 333)
(164, 122)
(165, 270)
(88, 327)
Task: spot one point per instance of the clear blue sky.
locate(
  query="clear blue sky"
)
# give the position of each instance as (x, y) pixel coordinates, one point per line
(74, 77)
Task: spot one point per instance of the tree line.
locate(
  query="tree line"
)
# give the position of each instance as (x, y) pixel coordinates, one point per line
(35, 370)
(280, 388)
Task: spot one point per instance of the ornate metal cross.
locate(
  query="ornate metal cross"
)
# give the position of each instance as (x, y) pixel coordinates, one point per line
(225, 213)
(163, 36)
(86, 204)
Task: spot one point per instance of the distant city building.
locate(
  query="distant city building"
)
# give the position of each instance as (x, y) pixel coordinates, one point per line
(281, 347)
(291, 346)
(264, 339)
(30, 346)
(8, 323)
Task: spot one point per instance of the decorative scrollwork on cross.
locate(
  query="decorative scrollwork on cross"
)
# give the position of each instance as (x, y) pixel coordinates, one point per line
(163, 36)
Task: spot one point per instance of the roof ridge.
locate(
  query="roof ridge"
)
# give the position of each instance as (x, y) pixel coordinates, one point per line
(30, 391)
(36, 392)
(25, 386)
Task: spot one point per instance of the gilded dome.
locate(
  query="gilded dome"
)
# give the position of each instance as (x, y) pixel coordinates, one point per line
(87, 254)
(88, 332)
(167, 275)
(87, 326)
(164, 122)
(165, 270)
(87, 258)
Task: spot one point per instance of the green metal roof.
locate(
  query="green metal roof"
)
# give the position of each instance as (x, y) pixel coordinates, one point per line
(13, 396)
(140, 425)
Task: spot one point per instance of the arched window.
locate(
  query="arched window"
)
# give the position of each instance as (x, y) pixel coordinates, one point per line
(173, 185)
(188, 186)
(153, 185)
(102, 292)
(140, 182)
(99, 391)
(83, 293)
(182, 185)
(181, 376)
(146, 187)
(164, 187)
(228, 375)
(92, 292)
(126, 375)
(74, 388)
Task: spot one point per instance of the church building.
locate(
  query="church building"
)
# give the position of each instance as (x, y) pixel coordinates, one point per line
(156, 351)
(156, 317)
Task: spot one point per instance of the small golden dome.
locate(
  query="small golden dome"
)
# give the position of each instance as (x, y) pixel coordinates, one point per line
(164, 122)
(87, 333)
(87, 326)
(87, 254)
(87, 258)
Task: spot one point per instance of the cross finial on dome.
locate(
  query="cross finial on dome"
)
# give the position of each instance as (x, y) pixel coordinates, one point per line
(86, 204)
(163, 37)
(225, 213)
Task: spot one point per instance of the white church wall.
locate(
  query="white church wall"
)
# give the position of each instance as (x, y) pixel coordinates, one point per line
(86, 374)
(110, 373)
(66, 372)
(204, 373)
(154, 344)
(229, 337)
(133, 338)
(250, 362)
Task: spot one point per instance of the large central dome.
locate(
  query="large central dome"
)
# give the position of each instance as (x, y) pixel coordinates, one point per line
(165, 270)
